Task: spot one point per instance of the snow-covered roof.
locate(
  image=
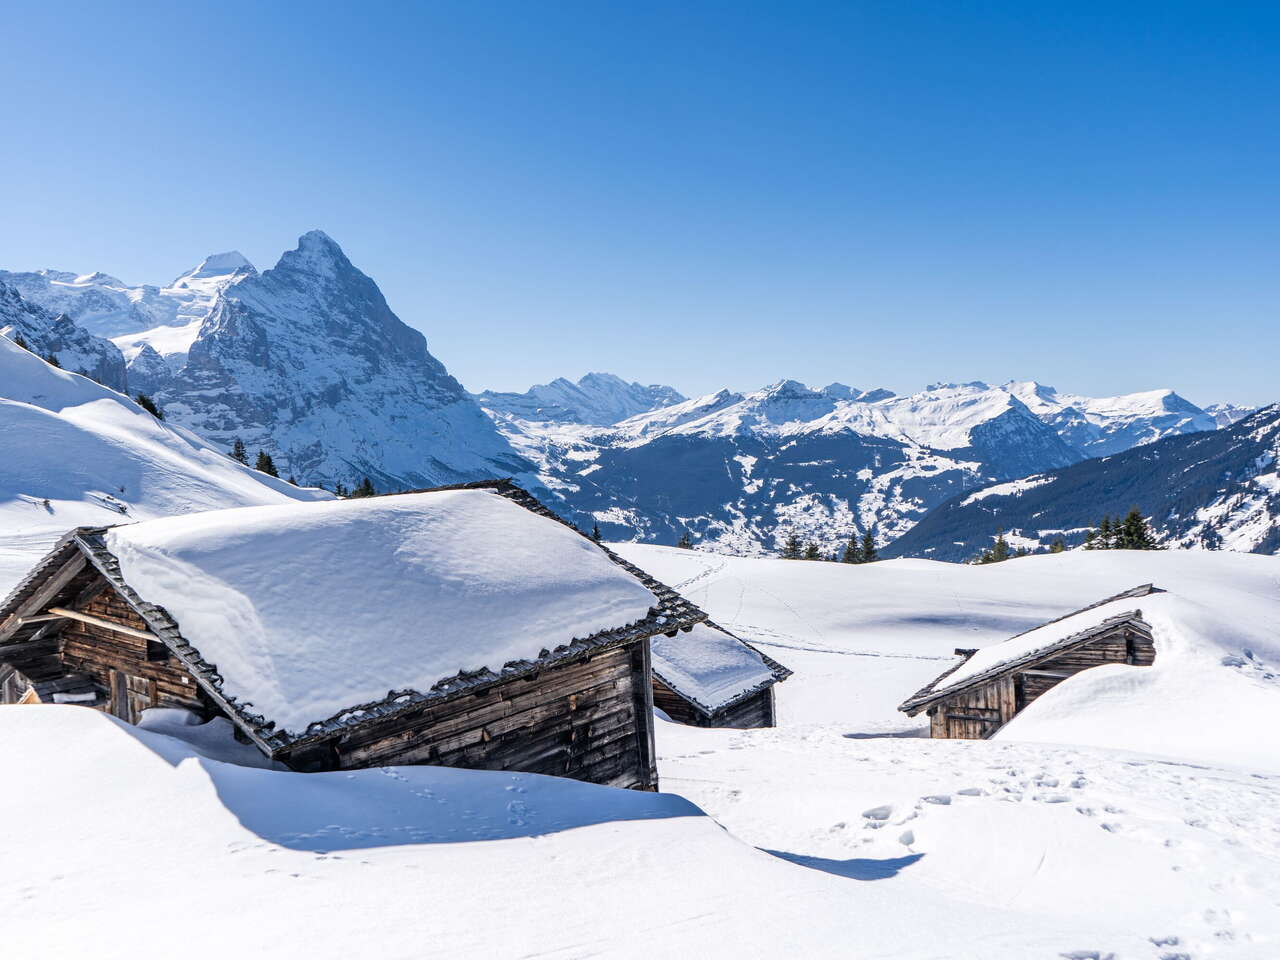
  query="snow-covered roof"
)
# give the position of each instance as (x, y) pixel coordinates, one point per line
(1075, 627)
(711, 668)
(303, 618)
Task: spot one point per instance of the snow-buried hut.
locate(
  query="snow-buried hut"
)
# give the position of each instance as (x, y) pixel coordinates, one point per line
(989, 687)
(708, 677)
(464, 626)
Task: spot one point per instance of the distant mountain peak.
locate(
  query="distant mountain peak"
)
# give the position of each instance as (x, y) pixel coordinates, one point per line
(597, 399)
(220, 265)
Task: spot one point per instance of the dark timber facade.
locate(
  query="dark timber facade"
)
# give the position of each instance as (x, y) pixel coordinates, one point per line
(75, 632)
(985, 702)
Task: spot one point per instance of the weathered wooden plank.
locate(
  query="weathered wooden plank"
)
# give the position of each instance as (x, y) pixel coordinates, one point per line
(104, 623)
(44, 594)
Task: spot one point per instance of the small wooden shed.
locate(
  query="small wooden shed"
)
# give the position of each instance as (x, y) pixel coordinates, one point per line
(426, 648)
(708, 677)
(990, 686)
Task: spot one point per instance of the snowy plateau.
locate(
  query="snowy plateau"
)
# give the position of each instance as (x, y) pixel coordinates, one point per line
(1131, 813)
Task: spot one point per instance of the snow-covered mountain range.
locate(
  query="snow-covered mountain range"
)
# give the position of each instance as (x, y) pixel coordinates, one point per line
(1216, 490)
(597, 398)
(741, 472)
(307, 362)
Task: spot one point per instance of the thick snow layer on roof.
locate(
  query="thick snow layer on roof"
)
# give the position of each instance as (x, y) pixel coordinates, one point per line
(311, 609)
(708, 665)
(1040, 638)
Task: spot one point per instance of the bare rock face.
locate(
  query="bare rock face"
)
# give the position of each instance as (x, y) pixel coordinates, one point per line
(75, 348)
(308, 362)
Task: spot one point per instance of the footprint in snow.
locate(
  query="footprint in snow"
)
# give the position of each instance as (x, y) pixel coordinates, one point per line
(938, 798)
(878, 813)
(1052, 797)
(972, 792)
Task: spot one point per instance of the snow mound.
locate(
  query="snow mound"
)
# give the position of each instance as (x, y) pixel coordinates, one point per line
(311, 609)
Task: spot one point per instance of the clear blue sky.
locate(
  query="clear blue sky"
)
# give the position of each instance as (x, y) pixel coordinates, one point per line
(702, 194)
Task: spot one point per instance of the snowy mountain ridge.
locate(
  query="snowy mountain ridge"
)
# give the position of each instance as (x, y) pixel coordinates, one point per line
(1215, 489)
(74, 347)
(308, 362)
(597, 398)
(823, 463)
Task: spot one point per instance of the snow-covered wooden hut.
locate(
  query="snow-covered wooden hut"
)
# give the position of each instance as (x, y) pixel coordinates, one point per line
(990, 686)
(707, 677)
(464, 626)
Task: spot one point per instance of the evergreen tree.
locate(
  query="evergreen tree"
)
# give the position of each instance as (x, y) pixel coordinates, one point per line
(293, 480)
(869, 554)
(149, 405)
(52, 360)
(791, 550)
(1135, 533)
(1000, 549)
(685, 543)
(340, 489)
(20, 341)
(1091, 540)
(595, 533)
(238, 452)
(811, 551)
(365, 489)
(265, 464)
(852, 550)
(1106, 538)
(1058, 546)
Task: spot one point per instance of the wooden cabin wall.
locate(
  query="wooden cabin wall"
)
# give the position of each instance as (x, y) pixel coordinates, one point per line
(748, 714)
(974, 714)
(755, 711)
(118, 663)
(578, 720)
(675, 707)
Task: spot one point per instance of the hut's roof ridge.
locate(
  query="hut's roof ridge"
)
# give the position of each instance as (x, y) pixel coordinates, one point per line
(663, 611)
(988, 662)
(713, 676)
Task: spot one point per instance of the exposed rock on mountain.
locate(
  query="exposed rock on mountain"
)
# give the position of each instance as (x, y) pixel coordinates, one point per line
(308, 362)
(76, 348)
(1218, 489)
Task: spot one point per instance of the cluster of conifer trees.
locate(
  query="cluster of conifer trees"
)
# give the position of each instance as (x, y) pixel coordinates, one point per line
(859, 549)
(1131, 533)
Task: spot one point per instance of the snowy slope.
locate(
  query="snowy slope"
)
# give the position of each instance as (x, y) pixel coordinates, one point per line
(898, 622)
(447, 581)
(73, 452)
(597, 398)
(75, 348)
(308, 362)
(818, 838)
(1219, 489)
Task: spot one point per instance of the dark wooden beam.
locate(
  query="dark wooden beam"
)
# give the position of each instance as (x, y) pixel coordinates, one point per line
(43, 595)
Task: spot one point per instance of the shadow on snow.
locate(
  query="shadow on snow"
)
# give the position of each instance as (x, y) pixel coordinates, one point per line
(854, 869)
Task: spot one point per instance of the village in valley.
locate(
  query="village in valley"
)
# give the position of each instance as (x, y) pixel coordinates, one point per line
(348, 618)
